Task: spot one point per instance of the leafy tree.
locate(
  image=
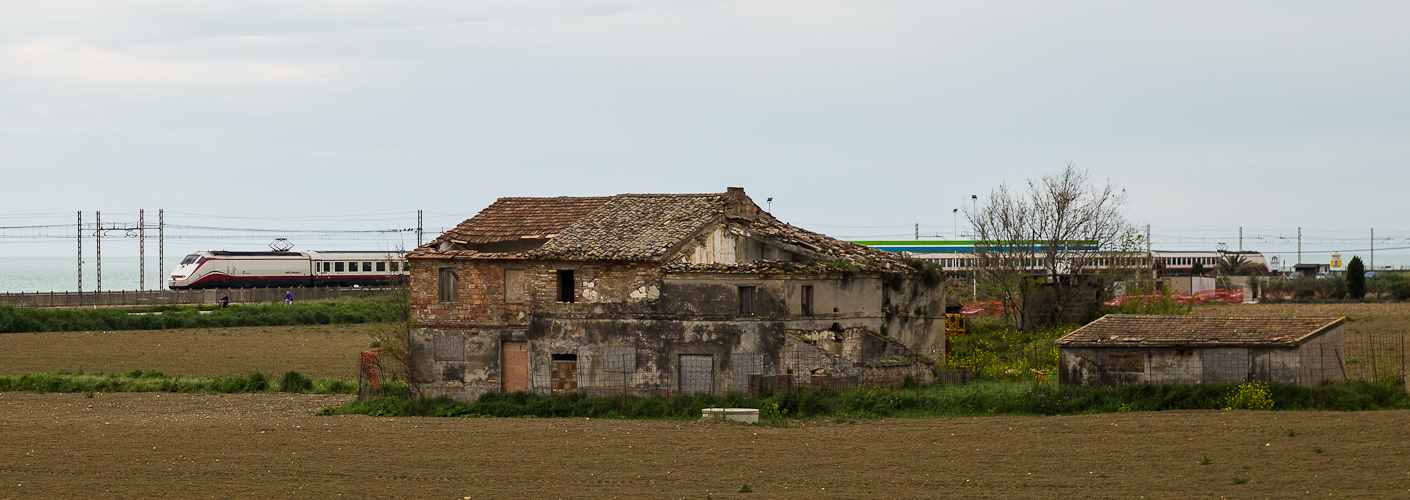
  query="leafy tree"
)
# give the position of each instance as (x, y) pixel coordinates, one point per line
(1197, 269)
(1356, 278)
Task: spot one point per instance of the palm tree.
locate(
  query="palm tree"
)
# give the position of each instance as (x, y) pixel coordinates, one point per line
(1236, 265)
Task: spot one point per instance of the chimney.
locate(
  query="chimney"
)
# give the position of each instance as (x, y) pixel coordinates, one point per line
(737, 204)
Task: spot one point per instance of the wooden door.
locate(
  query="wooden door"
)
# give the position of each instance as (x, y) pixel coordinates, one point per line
(515, 366)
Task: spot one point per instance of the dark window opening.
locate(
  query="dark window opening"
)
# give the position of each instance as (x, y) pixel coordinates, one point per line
(807, 297)
(565, 357)
(381, 267)
(352, 267)
(565, 285)
(366, 267)
(1130, 362)
(327, 267)
(447, 285)
(338, 266)
(746, 300)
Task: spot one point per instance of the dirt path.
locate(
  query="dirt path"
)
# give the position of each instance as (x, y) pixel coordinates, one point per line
(271, 446)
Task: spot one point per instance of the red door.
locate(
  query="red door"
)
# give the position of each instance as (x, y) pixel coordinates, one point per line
(516, 366)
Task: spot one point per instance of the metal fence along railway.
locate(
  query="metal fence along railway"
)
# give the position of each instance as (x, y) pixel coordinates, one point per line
(132, 298)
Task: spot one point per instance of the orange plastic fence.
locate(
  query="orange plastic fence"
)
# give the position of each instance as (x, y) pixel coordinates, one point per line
(369, 367)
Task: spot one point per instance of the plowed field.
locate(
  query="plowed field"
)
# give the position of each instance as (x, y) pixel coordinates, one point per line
(271, 446)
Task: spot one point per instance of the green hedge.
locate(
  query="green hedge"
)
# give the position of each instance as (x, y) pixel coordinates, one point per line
(14, 320)
(156, 381)
(983, 398)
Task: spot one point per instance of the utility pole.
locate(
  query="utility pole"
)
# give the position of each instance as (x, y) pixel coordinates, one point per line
(955, 221)
(98, 235)
(80, 256)
(1373, 248)
(1299, 245)
(917, 231)
(1241, 239)
(418, 229)
(142, 250)
(161, 247)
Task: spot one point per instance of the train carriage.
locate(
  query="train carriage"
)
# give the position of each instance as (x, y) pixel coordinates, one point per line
(223, 269)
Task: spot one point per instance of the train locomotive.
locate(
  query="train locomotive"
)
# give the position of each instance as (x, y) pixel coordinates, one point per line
(222, 269)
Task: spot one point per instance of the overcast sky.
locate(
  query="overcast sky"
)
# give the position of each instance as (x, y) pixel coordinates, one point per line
(860, 119)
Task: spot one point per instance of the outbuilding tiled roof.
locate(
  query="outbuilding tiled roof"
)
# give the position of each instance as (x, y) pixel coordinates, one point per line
(1115, 330)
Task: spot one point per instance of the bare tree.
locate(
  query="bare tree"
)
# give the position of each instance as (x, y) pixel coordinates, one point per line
(1064, 238)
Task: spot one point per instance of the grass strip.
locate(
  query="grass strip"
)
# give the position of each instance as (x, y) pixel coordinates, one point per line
(156, 381)
(980, 398)
(370, 310)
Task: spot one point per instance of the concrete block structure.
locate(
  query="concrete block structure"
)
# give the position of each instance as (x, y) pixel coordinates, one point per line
(652, 293)
(1124, 349)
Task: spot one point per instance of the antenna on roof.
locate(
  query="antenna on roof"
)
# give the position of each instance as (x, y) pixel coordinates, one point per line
(281, 245)
(770, 201)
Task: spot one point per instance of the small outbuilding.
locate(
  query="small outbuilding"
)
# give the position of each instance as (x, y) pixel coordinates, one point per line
(1128, 348)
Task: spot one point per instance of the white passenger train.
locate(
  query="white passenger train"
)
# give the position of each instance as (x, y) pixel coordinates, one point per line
(221, 269)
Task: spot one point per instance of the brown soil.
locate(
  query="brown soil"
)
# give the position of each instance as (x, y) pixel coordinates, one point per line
(315, 351)
(271, 446)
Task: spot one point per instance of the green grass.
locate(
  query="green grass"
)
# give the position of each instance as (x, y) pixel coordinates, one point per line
(980, 398)
(156, 381)
(369, 310)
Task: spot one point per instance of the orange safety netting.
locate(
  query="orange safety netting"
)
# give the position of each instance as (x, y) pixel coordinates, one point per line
(1215, 295)
(996, 308)
(369, 367)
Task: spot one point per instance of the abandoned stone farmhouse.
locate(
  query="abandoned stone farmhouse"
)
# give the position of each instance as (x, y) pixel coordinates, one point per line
(1130, 348)
(660, 293)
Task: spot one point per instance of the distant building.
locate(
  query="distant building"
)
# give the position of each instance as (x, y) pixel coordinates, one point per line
(1126, 349)
(662, 293)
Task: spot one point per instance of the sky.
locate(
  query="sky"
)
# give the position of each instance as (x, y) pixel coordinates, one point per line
(860, 119)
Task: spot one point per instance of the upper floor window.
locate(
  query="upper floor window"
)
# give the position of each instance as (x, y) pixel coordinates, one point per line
(565, 285)
(447, 285)
(806, 297)
(746, 300)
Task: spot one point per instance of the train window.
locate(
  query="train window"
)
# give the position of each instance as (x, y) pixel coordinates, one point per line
(381, 267)
(352, 267)
(325, 267)
(366, 267)
(338, 266)
(190, 259)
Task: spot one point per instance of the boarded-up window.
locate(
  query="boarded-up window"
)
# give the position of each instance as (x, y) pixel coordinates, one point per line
(564, 373)
(1126, 362)
(697, 373)
(449, 348)
(807, 300)
(565, 285)
(447, 285)
(746, 301)
(513, 286)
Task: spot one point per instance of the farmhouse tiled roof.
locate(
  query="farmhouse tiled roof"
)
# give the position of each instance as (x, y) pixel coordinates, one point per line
(638, 227)
(633, 227)
(514, 218)
(1115, 330)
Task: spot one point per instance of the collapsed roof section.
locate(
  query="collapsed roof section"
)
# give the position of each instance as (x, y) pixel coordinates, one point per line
(683, 232)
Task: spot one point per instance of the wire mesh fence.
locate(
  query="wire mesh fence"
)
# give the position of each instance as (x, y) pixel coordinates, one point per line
(1378, 357)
